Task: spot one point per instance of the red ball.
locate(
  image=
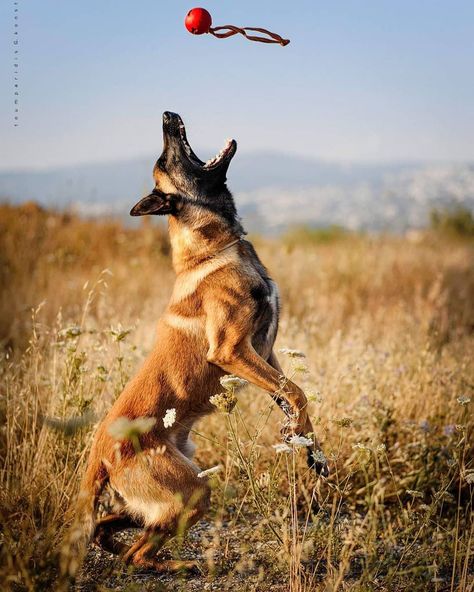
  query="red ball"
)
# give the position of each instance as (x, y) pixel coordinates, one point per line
(198, 21)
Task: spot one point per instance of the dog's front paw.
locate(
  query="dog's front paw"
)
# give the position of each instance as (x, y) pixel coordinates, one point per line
(318, 462)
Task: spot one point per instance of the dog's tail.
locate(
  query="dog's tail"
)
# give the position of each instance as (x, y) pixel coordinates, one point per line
(74, 546)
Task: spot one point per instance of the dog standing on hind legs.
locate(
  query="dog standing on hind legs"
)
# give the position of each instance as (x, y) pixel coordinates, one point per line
(222, 318)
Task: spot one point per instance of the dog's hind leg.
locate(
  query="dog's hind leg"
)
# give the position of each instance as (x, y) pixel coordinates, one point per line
(174, 522)
(109, 525)
(169, 497)
(142, 553)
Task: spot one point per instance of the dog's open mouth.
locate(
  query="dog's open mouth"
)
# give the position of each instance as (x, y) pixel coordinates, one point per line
(220, 156)
(213, 162)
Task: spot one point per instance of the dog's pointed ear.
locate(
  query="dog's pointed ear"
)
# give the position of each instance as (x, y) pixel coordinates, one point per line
(157, 203)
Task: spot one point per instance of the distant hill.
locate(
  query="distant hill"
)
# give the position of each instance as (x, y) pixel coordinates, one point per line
(272, 190)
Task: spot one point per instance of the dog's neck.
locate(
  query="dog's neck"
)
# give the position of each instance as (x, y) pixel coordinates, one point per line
(196, 242)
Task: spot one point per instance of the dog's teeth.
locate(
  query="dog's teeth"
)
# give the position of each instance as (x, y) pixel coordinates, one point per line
(219, 156)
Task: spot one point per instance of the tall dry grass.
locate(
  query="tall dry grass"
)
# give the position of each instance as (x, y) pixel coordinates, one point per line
(387, 328)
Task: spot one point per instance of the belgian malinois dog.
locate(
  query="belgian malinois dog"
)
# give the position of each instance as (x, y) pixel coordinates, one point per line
(222, 318)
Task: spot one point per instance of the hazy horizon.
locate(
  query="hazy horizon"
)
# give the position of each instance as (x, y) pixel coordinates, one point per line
(257, 152)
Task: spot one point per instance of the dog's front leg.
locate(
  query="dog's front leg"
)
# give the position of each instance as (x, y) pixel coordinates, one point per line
(243, 361)
(280, 401)
(316, 459)
(228, 332)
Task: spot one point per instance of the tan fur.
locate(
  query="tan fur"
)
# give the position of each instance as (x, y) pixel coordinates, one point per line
(163, 181)
(205, 332)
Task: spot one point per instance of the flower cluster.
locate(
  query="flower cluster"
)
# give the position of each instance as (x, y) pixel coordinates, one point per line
(70, 332)
(415, 494)
(314, 396)
(300, 441)
(366, 451)
(169, 418)
(292, 353)
(344, 422)
(281, 447)
(119, 333)
(292, 443)
(232, 382)
(319, 457)
(225, 401)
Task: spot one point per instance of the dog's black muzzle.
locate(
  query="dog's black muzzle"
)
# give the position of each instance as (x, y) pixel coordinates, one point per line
(171, 123)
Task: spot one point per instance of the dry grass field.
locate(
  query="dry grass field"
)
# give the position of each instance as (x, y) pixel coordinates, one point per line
(387, 327)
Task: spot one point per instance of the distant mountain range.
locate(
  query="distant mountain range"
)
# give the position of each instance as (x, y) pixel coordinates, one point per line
(272, 190)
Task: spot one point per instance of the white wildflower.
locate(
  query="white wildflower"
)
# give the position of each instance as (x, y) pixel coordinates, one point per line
(463, 400)
(360, 446)
(300, 441)
(281, 448)
(415, 493)
(225, 401)
(232, 382)
(314, 396)
(319, 457)
(210, 471)
(469, 477)
(343, 422)
(169, 418)
(292, 353)
(119, 333)
(70, 332)
(447, 497)
(127, 429)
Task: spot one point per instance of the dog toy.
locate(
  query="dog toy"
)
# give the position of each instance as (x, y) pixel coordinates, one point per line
(198, 21)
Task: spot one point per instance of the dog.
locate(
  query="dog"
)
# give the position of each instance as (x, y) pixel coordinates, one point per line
(222, 319)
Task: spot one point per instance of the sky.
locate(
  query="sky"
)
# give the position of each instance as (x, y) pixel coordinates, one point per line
(361, 81)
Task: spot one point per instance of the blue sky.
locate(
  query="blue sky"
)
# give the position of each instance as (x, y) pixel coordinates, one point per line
(372, 80)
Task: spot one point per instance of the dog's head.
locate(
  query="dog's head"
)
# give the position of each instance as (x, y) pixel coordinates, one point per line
(180, 175)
